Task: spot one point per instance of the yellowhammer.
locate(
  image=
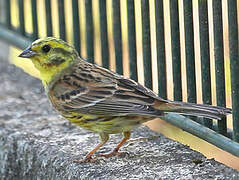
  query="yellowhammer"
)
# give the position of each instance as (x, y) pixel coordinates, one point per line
(98, 99)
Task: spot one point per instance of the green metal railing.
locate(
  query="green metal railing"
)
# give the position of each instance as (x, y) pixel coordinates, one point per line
(234, 63)
(176, 54)
(104, 34)
(146, 44)
(132, 40)
(215, 133)
(161, 58)
(219, 59)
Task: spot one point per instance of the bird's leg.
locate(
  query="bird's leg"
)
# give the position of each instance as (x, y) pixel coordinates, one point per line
(104, 138)
(116, 150)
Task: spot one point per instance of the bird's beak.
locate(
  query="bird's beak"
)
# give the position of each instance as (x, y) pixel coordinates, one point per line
(27, 53)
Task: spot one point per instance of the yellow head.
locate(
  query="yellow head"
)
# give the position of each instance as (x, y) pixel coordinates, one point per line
(50, 56)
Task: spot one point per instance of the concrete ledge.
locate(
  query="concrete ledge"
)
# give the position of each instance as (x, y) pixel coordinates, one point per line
(35, 143)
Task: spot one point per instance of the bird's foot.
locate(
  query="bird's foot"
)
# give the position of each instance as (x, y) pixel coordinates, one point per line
(114, 153)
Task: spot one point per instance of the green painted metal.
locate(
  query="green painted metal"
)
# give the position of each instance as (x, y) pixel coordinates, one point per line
(205, 56)
(89, 31)
(34, 19)
(189, 47)
(132, 40)
(234, 64)
(13, 38)
(203, 132)
(61, 16)
(8, 14)
(176, 55)
(21, 17)
(76, 25)
(146, 44)
(48, 18)
(161, 59)
(104, 35)
(219, 61)
(117, 36)
(189, 54)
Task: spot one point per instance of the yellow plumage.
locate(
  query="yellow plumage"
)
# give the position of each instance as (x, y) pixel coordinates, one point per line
(98, 99)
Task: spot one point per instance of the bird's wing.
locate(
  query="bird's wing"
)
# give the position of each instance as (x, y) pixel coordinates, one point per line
(88, 88)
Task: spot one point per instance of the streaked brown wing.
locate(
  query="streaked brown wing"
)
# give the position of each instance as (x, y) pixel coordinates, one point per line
(95, 90)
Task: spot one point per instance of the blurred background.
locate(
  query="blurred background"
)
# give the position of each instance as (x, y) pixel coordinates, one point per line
(158, 125)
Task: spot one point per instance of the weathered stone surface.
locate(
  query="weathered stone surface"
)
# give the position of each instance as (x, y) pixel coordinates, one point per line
(36, 143)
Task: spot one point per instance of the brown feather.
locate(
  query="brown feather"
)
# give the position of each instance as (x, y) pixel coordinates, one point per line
(88, 88)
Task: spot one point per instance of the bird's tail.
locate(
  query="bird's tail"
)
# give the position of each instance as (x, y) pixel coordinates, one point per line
(203, 110)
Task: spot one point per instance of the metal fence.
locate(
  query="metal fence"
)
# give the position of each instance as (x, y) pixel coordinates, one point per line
(216, 133)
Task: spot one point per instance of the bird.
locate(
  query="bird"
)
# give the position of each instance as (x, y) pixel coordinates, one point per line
(101, 100)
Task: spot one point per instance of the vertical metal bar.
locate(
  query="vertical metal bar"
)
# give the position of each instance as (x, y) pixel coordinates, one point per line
(159, 18)
(219, 61)
(176, 55)
(132, 40)
(189, 53)
(48, 17)
(89, 31)
(62, 23)
(76, 25)
(8, 13)
(21, 16)
(34, 19)
(205, 56)
(146, 44)
(234, 64)
(104, 35)
(117, 36)
(189, 47)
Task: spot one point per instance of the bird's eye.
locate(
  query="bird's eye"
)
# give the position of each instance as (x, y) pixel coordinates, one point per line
(46, 48)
